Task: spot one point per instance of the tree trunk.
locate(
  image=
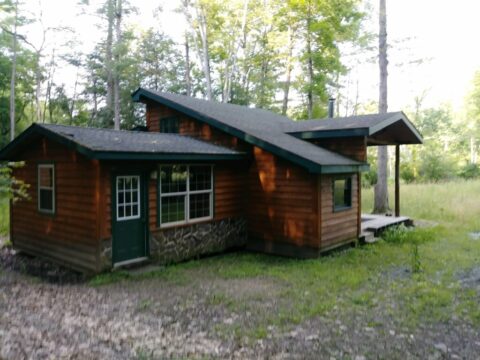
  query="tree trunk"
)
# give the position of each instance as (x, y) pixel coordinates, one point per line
(14, 75)
(38, 89)
(381, 188)
(473, 152)
(48, 93)
(109, 56)
(288, 72)
(309, 64)
(116, 78)
(188, 80)
(205, 50)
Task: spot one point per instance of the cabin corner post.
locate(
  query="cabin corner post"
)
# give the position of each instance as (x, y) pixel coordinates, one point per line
(319, 210)
(397, 180)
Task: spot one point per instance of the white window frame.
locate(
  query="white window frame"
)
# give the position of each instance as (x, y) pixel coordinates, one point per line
(40, 187)
(139, 200)
(186, 195)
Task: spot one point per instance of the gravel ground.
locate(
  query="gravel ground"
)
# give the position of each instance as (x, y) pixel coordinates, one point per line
(48, 312)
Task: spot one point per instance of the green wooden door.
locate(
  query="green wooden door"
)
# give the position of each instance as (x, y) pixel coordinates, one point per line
(129, 218)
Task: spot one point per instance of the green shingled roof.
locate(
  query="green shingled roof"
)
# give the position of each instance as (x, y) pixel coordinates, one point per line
(261, 128)
(118, 144)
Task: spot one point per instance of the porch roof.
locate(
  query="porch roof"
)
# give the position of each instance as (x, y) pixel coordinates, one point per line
(392, 128)
(108, 144)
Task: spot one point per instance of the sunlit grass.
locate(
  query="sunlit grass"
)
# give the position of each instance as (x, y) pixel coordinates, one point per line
(456, 202)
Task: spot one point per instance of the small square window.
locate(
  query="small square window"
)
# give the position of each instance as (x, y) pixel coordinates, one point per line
(342, 193)
(169, 125)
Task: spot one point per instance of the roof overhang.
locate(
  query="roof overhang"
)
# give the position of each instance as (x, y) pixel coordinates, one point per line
(395, 130)
(14, 148)
(143, 95)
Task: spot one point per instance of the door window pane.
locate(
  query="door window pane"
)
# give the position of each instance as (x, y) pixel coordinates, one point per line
(128, 197)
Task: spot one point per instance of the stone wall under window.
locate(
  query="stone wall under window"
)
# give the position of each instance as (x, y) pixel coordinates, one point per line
(185, 242)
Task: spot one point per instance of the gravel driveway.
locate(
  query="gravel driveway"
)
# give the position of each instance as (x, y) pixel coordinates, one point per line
(155, 318)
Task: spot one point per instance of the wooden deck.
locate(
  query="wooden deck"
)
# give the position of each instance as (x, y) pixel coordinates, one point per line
(373, 225)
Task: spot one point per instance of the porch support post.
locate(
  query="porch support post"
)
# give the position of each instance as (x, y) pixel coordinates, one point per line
(397, 180)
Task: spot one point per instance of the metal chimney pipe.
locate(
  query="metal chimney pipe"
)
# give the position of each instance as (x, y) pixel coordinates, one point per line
(331, 107)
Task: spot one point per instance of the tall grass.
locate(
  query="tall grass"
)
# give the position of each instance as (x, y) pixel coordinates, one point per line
(451, 202)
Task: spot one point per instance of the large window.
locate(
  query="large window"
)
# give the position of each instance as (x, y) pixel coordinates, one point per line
(46, 188)
(186, 193)
(169, 125)
(342, 193)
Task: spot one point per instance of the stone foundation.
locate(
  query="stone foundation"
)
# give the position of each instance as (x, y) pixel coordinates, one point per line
(190, 241)
(185, 242)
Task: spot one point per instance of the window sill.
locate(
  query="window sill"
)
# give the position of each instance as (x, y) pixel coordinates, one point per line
(341, 209)
(184, 223)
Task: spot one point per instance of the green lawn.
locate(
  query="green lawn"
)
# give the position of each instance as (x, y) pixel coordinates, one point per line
(363, 279)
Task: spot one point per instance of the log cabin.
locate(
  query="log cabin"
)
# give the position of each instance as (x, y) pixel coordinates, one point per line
(200, 178)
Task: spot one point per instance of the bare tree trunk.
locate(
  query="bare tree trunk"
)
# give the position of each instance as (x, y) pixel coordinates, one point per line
(288, 72)
(116, 78)
(188, 80)
(310, 64)
(381, 188)
(74, 98)
(109, 53)
(48, 93)
(38, 90)
(473, 152)
(14, 75)
(205, 51)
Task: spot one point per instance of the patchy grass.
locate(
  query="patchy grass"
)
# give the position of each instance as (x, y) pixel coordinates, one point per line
(427, 290)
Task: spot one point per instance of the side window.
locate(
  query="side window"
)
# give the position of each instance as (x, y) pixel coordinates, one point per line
(169, 125)
(342, 193)
(46, 188)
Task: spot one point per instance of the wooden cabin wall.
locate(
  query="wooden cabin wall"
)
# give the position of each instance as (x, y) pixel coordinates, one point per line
(193, 128)
(342, 226)
(282, 202)
(70, 235)
(354, 148)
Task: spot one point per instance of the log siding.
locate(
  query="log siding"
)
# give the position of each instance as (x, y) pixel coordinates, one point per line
(70, 234)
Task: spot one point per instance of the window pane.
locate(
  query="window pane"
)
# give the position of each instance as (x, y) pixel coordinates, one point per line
(200, 177)
(121, 211)
(46, 200)
(169, 125)
(135, 210)
(342, 193)
(172, 209)
(173, 179)
(121, 198)
(128, 210)
(128, 197)
(199, 205)
(46, 177)
(120, 184)
(134, 197)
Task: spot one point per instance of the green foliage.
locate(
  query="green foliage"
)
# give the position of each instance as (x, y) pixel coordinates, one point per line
(402, 235)
(11, 188)
(4, 216)
(469, 171)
